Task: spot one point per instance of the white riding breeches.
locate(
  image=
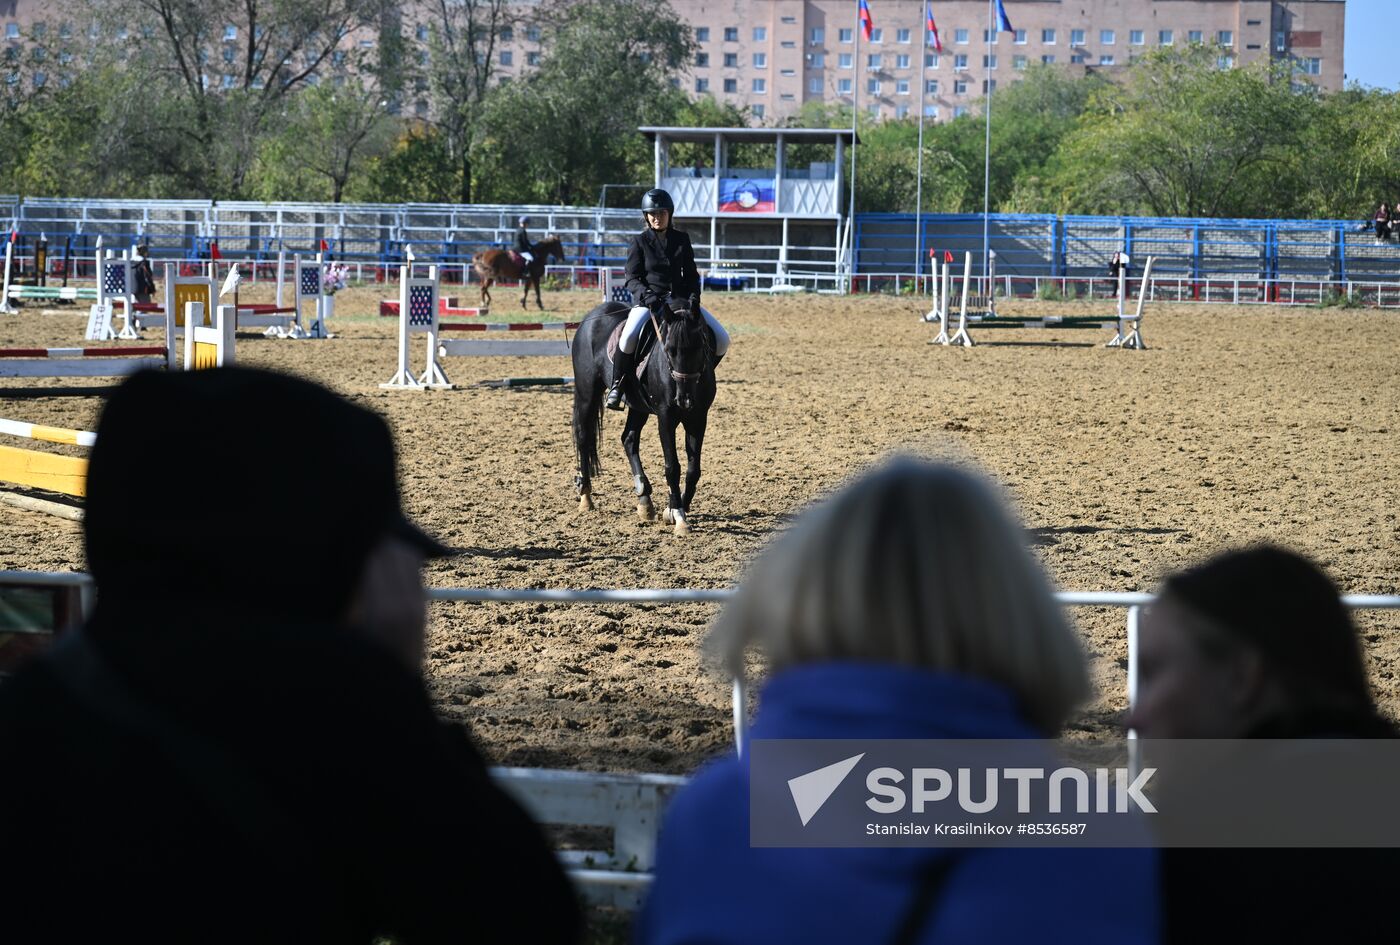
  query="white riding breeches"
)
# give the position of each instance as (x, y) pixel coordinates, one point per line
(528, 257)
(640, 315)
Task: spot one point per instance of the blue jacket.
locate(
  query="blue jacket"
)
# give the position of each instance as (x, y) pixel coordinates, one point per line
(712, 887)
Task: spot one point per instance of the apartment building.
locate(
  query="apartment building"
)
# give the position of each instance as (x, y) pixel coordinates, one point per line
(772, 56)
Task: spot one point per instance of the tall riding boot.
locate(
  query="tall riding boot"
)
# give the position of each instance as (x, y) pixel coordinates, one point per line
(623, 365)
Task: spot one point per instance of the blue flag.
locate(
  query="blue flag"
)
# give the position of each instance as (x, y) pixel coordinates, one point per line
(1003, 21)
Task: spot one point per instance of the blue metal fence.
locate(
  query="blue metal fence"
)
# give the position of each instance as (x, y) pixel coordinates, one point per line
(1080, 246)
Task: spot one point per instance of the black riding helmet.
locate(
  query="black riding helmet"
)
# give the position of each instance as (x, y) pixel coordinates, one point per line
(657, 199)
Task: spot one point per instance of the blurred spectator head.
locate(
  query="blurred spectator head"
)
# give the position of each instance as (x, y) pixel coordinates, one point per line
(1245, 640)
(914, 563)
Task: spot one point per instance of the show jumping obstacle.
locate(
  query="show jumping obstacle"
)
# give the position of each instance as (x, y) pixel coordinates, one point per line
(420, 311)
(1125, 336)
(205, 347)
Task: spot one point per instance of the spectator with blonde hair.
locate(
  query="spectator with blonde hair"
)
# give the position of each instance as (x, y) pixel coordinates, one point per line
(907, 606)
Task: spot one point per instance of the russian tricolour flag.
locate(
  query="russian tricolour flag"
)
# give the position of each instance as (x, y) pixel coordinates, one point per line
(1003, 21)
(932, 28)
(866, 23)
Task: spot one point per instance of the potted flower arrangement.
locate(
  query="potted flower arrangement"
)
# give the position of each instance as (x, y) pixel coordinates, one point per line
(336, 277)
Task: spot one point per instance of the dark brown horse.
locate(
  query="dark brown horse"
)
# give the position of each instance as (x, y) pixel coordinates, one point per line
(499, 265)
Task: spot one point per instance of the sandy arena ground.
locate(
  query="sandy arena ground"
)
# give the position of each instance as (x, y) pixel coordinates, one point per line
(1239, 424)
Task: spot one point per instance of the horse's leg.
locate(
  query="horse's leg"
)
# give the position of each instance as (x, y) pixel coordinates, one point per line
(586, 420)
(538, 303)
(675, 511)
(486, 290)
(525, 291)
(694, 440)
(631, 445)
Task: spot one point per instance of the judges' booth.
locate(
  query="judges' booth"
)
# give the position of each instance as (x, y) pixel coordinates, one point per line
(762, 205)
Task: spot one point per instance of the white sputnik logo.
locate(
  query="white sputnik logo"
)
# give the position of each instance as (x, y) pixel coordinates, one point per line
(811, 790)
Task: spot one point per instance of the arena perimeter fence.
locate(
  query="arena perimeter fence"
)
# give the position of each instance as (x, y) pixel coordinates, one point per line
(1278, 261)
(1131, 602)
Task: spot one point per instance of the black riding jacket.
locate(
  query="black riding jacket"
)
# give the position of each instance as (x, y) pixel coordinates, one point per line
(522, 242)
(661, 265)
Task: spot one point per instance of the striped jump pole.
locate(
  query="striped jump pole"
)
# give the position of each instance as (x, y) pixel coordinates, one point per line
(522, 348)
(56, 473)
(80, 362)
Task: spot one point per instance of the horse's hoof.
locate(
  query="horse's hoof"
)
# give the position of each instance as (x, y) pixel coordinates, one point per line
(645, 510)
(678, 517)
(585, 503)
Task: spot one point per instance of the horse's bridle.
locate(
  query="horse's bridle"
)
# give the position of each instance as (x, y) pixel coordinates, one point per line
(661, 343)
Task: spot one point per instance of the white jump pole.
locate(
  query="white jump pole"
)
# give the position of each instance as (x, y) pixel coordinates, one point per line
(5, 288)
(1132, 338)
(281, 277)
(961, 337)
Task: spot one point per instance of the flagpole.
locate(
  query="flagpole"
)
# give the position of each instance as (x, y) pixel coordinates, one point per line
(919, 160)
(855, 111)
(987, 149)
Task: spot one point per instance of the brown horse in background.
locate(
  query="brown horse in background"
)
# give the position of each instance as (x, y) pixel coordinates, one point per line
(499, 265)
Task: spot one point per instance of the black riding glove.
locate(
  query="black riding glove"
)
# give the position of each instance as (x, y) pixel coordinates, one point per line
(659, 308)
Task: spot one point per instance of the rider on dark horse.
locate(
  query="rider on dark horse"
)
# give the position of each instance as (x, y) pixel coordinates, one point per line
(660, 267)
(524, 247)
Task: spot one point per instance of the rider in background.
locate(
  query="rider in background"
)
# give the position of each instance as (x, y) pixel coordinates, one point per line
(660, 268)
(523, 245)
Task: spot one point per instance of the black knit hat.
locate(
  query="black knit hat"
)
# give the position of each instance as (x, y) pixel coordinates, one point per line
(241, 488)
(1284, 607)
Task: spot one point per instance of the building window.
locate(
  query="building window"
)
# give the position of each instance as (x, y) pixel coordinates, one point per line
(1048, 60)
(960, 62)
(675, 82)
(1225, 37)
(901, 61)
(817, 36)
(1018, 62)
(760, 34)
(1195, 37)
(702, 85)
(845, 61)
(532, 59)
(989, 86)
(1105, 60)
(229, 53)
(901, 36)
(931, 87)
(990, 36)
(702, 35)
(507, 57)
(931, 111)
(1020, 37)
(789, 72)
(760, 60)
(1136, 37)
(1280, 41)
(757, 110)
(1047, 37)
(959, 111)
(901, 111)
(843, 86)
(731, 85)
(789, 44)
(789, 19)
(931, 60)
(1225, 62)
(1076, 37)
(760, 86)
(421, 33)
(901, 87)
(816, 60)
(989, 62)
(872, 62)
(960, 37)
(814, 86)
(960, 87)
(228, 82)
(702, 60)
(1308, 66)
(731, 34)
(877, 36)
(1108, 37)
(507, 35)
(532, 34)
(846, 36)
(731, 60)
(1164, 37)
(872, 86)
(1076, 58)
(230, 32)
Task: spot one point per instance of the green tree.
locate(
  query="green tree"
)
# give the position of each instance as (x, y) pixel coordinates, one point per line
(1182, 137)
(560, 134)
(330, 132)
(419, 168)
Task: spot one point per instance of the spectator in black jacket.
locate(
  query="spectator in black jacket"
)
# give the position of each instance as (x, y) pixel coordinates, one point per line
(239, 747)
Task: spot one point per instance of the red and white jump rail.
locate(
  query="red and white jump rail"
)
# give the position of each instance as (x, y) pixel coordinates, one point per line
(80, 362)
